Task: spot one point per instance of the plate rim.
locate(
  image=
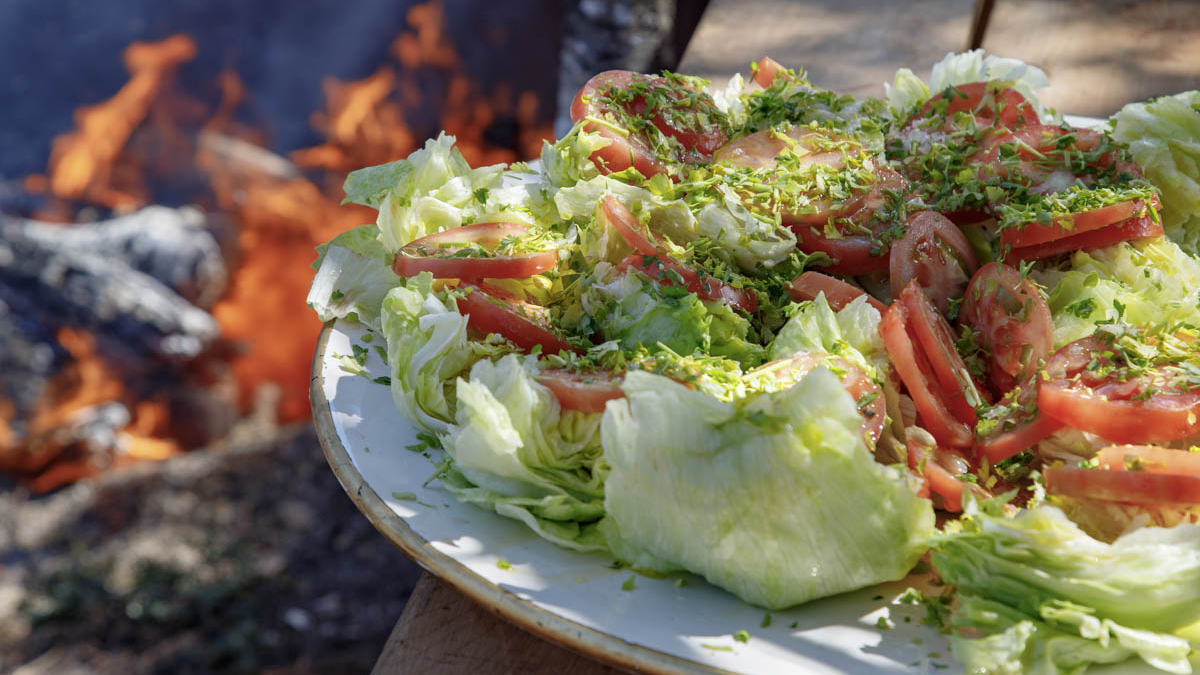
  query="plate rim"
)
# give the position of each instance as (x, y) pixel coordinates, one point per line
(585, 640)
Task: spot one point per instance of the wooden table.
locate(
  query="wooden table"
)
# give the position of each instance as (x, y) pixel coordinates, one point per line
(1099, 55)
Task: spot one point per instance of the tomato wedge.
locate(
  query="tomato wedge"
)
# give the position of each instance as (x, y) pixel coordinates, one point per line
(1013, 322)
(616, 99)
(1031, 234)
(936, 340)
(918, 378)
(490, 310)
(987, 102)
(936, 255)
(765, 71)
(1150, 458)
(434, 253)
(838, 293)
(656, 264)
(1128, 410)
(584, 392)
(1127, 230)
(869, 397)
(1136, 487)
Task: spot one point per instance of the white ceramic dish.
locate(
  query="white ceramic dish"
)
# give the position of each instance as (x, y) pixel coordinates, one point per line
(579, 600)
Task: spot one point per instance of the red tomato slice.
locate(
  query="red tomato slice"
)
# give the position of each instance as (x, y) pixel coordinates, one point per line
(493, 311)
(1013, 322)
(923, 460)
(1150, 458)
(867, 394)
(936, 340)
(934, 253)
(433, 254)
(1137, 487)
(927, 398)
(761, 149)
(852, 251)
(628, 226)
(1114, 410)
(988, 102)
(1001, 446)
(1066, 226)
(656, 264)
(682, 120)
(765, 71)
(838, 293)
(1127, 230)
(585, 392)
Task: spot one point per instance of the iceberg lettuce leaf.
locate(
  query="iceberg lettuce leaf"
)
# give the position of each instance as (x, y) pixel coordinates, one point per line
(354, 273)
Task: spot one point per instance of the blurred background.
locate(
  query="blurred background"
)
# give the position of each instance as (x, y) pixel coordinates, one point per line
(167, 170)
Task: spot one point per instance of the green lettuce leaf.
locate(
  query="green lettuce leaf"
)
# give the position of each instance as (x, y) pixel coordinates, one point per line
(1052, 599)
(1149, 282)
(1164, 137)
(427, 350)
(433, 190)
(354, 273)
(774, 497)
(569, 159)
(516, 451)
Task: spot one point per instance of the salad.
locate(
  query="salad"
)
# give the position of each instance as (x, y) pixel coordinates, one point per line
(795, 342)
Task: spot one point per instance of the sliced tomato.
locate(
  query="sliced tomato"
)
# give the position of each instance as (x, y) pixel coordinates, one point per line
(1013, 322)
(1024, 436)
(936, 341)
(628, 226)
(1136, 487)
(656, 264)
(1129, 410)
(761, 149)
(765, 71)
(1150, 458)
(918, 378)
(869, 397)
(434, 253)
(838, 293)
(930, 462)
(851, 235)
(987, 102)
(680, 112)
(934, 253)
(489, 310)
(1127, 230)
(1031, 234)
(582, 391)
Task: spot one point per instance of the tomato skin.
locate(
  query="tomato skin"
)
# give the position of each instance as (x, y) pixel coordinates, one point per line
(1151, 458)
(1008, 337)
(1031, 234)
(1108, 408)
(627, 225)
(1127, 230)
(988, 103)
(421, 255)
(936, 255)
(936, 340)
(852, 253)
(492, 311)
(765, 71)
(1136, 487)
(927, 398)
(583, 392)
(634, 150)
(838, 293)
(1022, 437)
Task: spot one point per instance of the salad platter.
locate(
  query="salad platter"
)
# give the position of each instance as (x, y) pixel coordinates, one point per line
(773, 379)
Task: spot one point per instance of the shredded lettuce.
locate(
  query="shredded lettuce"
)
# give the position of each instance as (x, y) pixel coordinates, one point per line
(1048, 598)
(1144, 283)
(774, 497)
(517, 452)
(354, 273)
(1164, 137)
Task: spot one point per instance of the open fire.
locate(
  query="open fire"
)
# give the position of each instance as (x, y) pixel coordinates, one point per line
(264, 212)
